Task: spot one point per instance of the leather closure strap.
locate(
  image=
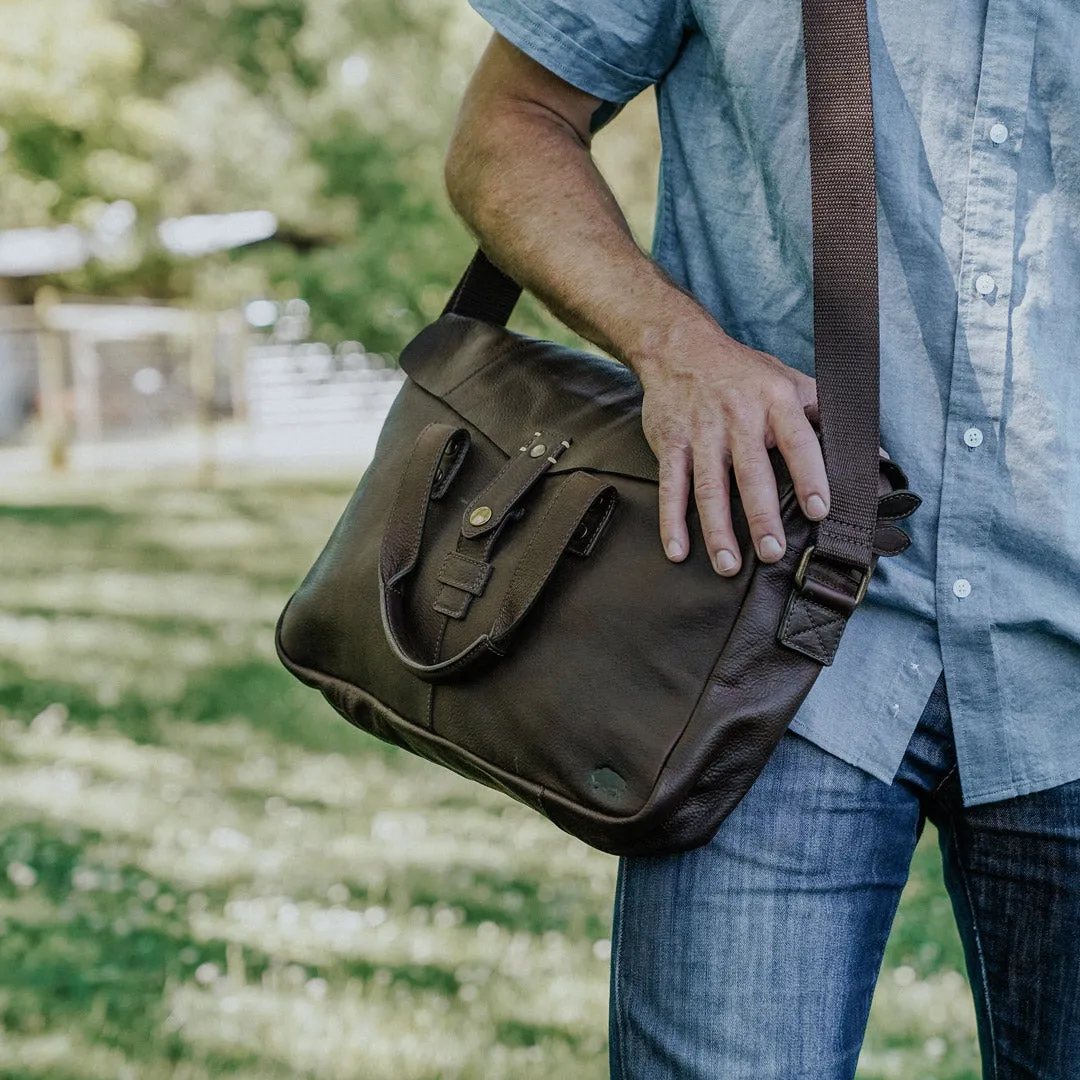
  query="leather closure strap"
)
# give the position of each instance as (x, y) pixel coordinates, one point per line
(461, 572)
(484, 519)
(464, 575)
(487, 512)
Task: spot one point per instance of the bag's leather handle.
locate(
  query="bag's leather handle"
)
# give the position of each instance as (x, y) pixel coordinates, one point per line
(577, 495)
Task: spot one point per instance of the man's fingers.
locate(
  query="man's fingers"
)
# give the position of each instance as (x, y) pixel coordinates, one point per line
(757, 490)
(708, 421)
(712, 492)
(674, 492)
(796, 440)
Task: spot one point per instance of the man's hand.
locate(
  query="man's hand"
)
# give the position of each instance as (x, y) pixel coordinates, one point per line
(520, 172)
(711, 405)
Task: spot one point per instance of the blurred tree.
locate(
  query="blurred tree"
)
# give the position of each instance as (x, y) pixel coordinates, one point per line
(333, 114)
(62, 67)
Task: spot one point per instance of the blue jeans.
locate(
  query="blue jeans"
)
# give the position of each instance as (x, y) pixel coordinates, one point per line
(756, 955)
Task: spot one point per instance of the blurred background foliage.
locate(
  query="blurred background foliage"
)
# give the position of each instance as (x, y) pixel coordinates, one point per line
(332, 114)
(203, 871)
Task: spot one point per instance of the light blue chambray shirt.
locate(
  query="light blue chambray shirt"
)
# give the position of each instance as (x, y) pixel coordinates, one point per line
(977, 131)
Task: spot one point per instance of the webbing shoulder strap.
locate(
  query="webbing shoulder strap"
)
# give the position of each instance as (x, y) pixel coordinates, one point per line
(846, 332)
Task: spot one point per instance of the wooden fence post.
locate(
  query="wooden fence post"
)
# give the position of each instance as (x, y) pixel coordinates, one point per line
(55, 422)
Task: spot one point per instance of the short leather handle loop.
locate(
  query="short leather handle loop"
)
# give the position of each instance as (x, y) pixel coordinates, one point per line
(561, 520)
(400, 546)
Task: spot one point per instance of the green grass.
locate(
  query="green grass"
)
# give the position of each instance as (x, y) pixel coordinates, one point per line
(204, 872)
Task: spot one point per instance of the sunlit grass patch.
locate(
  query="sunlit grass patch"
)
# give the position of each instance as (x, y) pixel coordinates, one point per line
(205, 872)
(929, 1021)
(64, 516)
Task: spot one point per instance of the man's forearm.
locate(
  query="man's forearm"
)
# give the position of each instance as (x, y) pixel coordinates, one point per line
(527, 186)
(520, 173)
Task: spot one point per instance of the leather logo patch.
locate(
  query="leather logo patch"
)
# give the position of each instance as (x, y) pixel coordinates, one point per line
(607, 782)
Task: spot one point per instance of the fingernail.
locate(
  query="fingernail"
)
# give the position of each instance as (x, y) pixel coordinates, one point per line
(725, 562)
(769, 548)
(674, 549)
(815, 507)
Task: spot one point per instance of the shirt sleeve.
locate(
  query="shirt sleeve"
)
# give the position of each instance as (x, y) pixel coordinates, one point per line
(612, 49)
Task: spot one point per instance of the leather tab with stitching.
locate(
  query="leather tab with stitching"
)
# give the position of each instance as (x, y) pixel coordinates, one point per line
(811, 628)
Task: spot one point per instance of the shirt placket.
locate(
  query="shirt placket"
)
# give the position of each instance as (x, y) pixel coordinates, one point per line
(976, 394)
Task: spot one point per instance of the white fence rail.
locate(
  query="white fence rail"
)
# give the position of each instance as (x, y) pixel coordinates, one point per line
(307, 384)
(79, 379)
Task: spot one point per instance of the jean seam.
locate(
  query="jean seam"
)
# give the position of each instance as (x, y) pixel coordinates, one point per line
(962, 874)
(616, 997)
(943, 781)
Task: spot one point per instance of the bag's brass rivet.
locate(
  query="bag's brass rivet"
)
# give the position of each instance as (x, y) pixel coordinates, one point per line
(480, 516)
(539, 450)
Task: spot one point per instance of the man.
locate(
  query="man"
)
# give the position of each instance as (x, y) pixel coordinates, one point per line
(756, 955)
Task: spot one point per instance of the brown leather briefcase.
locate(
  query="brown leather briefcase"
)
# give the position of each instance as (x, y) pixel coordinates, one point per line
(495, 597)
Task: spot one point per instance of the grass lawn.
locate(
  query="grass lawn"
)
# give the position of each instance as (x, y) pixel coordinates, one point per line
(204, 872)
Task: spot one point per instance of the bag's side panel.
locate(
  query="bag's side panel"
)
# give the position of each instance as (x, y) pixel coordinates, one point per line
(332, 623)
(748, 702)
(746, 706)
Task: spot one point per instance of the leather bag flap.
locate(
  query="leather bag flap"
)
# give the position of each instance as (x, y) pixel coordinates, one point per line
(530, 385)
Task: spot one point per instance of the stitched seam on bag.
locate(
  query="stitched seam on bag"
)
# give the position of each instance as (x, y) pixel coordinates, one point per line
(473, 585)
(430, 711)
(814, 628)
(794, 637)
(892, 517)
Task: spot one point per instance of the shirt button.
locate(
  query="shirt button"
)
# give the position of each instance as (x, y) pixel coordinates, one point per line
(984, 284)
(998, 133)
(973, 437)
(961, 587)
